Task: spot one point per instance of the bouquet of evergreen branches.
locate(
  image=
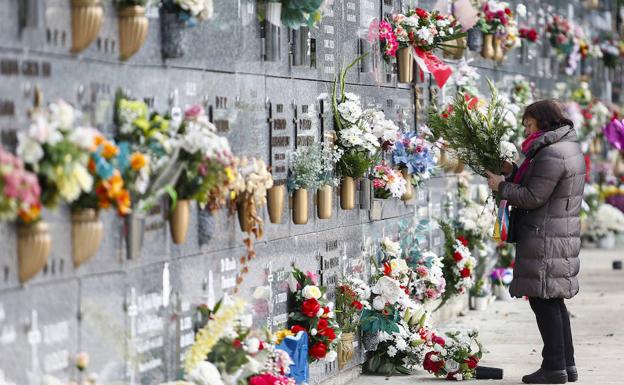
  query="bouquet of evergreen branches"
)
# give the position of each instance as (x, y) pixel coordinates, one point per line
(477, 133)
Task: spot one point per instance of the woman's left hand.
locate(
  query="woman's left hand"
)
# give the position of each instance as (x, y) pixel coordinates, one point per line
(494, 180)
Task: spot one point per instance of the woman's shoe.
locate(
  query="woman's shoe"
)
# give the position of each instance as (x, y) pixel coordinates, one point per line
(543, 376)
(572, 374)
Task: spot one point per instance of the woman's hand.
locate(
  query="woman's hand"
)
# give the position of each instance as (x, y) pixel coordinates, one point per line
(494, 180)
(507, 168)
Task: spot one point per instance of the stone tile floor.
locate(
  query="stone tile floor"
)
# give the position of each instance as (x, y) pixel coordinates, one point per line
(508, 330)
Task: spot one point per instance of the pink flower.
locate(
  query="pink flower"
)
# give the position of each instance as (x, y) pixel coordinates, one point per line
(391, 47)
(431, 293)
(385, 30)
(313, 277)
(194, 112)
(378, 183)
(422, 271)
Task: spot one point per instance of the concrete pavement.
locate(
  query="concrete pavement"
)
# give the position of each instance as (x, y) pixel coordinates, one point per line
(508, 330)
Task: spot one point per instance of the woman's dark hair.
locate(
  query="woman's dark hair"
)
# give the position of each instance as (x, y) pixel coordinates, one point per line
(548, 114)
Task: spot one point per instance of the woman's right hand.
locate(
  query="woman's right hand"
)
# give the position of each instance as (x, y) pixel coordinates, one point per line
(508, 168)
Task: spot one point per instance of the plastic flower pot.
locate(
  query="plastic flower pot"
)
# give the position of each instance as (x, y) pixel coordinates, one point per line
(607, 242)
(474, 39)
(300, 207)
(325, 197)
(33, 248)
(275, 203)
(133, 27)
(87, 234)
(179, 221)
(405, 65)
(480, 303)
(345, 349)
(172, 34)
(86, 21)
(347, 193)
(487, 50)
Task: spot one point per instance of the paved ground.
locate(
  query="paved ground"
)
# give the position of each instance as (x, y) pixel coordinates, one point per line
(509, 331)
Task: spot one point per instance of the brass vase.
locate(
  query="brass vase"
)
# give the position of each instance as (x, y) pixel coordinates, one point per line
(405, 64)
(409, 191)
(345, 349)
(325, 196)
(87, 233)
(300, 206)
(347, 193)
(460, 167)
(179, 221)
(133, 27)
(246, 209)
(33, 248)
(487, 51)
(275, 203)
(448, 161)
(86, 20)
(499, 51)
(456, 48)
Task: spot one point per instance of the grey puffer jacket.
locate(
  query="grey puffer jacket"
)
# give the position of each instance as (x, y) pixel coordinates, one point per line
(546, 224)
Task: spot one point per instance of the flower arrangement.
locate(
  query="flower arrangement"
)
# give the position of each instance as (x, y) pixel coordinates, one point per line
(528, 34)
(474, 132)
(252, 185)
(189, 11)
(455, 357)
(466, 76)
(48, 150)
(610, 47)
(388, 182)
(458, 263)
(495, 17)
(502, 276)
(560, 32)
(475, 221)
(352, 296)
(416, 155)
(505, 255)
(20, 191)
(209, 167)
(301, 13)
(418, 28)
(313, 166)
(607, 220)
(314, 315)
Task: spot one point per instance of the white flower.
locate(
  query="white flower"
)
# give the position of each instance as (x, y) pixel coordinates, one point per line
(313, 331)
(205, 374)
(350, 111)
(28, 149)
(390, 248)
(311, 291)
(384, 336)
(62, 115)
(401, 344)
(398, 266)
(451, 365)
(425, 34)
(390, 289)
(392, 351)
(458, 377)
(378, 304)
(202, 9)
(331, 356)
(253, 345)
(352, 97)
(521, 10)
(84, 137)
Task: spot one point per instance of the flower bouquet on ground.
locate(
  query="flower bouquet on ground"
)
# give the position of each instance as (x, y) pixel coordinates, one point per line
(388, 182)
(312, 314)
(476, 133)
(352, 295)
(456, 357)
(458, 264)
(226, 352)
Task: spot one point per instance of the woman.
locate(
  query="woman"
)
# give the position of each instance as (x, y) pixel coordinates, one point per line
(545, 193)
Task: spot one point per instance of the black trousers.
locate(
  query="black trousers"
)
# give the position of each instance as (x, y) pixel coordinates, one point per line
(553, 322)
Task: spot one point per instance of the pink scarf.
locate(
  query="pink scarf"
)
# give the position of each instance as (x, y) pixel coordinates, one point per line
(525, 148)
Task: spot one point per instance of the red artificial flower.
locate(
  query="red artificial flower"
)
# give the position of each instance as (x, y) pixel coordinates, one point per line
(439, 17)
(438, 340)
(318, 350)
(322, 324)
(445, 115)
(532, 35)
(430, 365)
(387, 269)
(463, 240)
(326, 312)
(297, 328)
(310, 307)
(457, 256)
(471, 100)
(329, 333)
(471, 362)
(465, 273)
(237, 344)
(508, 11)
(357, 304)
(422, 13)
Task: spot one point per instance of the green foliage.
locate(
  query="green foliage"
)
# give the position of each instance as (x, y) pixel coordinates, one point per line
(475, 134)
(129, 3)
(355, 163)
(297, 13)
(373, 321)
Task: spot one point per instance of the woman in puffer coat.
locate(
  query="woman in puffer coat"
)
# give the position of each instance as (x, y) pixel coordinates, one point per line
(545, 194)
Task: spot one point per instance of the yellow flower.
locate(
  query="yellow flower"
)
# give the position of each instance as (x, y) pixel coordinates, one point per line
(281, 334)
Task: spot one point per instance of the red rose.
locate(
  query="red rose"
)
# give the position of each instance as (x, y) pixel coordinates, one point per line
(465, 273)
(318, 350)
(329, 333)
(457, 256)
(310, 307)
(438, 340)
(357, 304)
(439, 17)
(471, 363)
(237, 344)
(532, 35)
(297, 328)
(508, 11)
(463, 240)
(322, 324)
(422, 13)
(326, 311)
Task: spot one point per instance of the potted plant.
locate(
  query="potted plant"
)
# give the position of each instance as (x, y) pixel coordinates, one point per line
(20, 195)
(86, 20)
(355, 139)
(108, 191)
(352, 296)
(176, 15)
(479, 296)
(208, 169)
(133, 26)
(457, 357)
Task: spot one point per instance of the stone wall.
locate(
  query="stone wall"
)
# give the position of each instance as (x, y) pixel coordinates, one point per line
(135, 317)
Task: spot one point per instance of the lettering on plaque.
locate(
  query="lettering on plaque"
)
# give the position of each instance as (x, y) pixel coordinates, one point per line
(46, 69)
(280, 124)
(305, 124)
(281, 298)
(280, 319)
(278, 169)
(305, 140)
(304, 108)
(222, 125)
(331, 245)
(279, 108)
(437, 241)
(280, 141)
(7, 108)
(331, 263)
(228, 282)
(9, 67)
(30, 68)
(221, 102)
(280, 156)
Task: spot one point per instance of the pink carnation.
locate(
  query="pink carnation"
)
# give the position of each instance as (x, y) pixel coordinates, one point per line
(194, 112)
